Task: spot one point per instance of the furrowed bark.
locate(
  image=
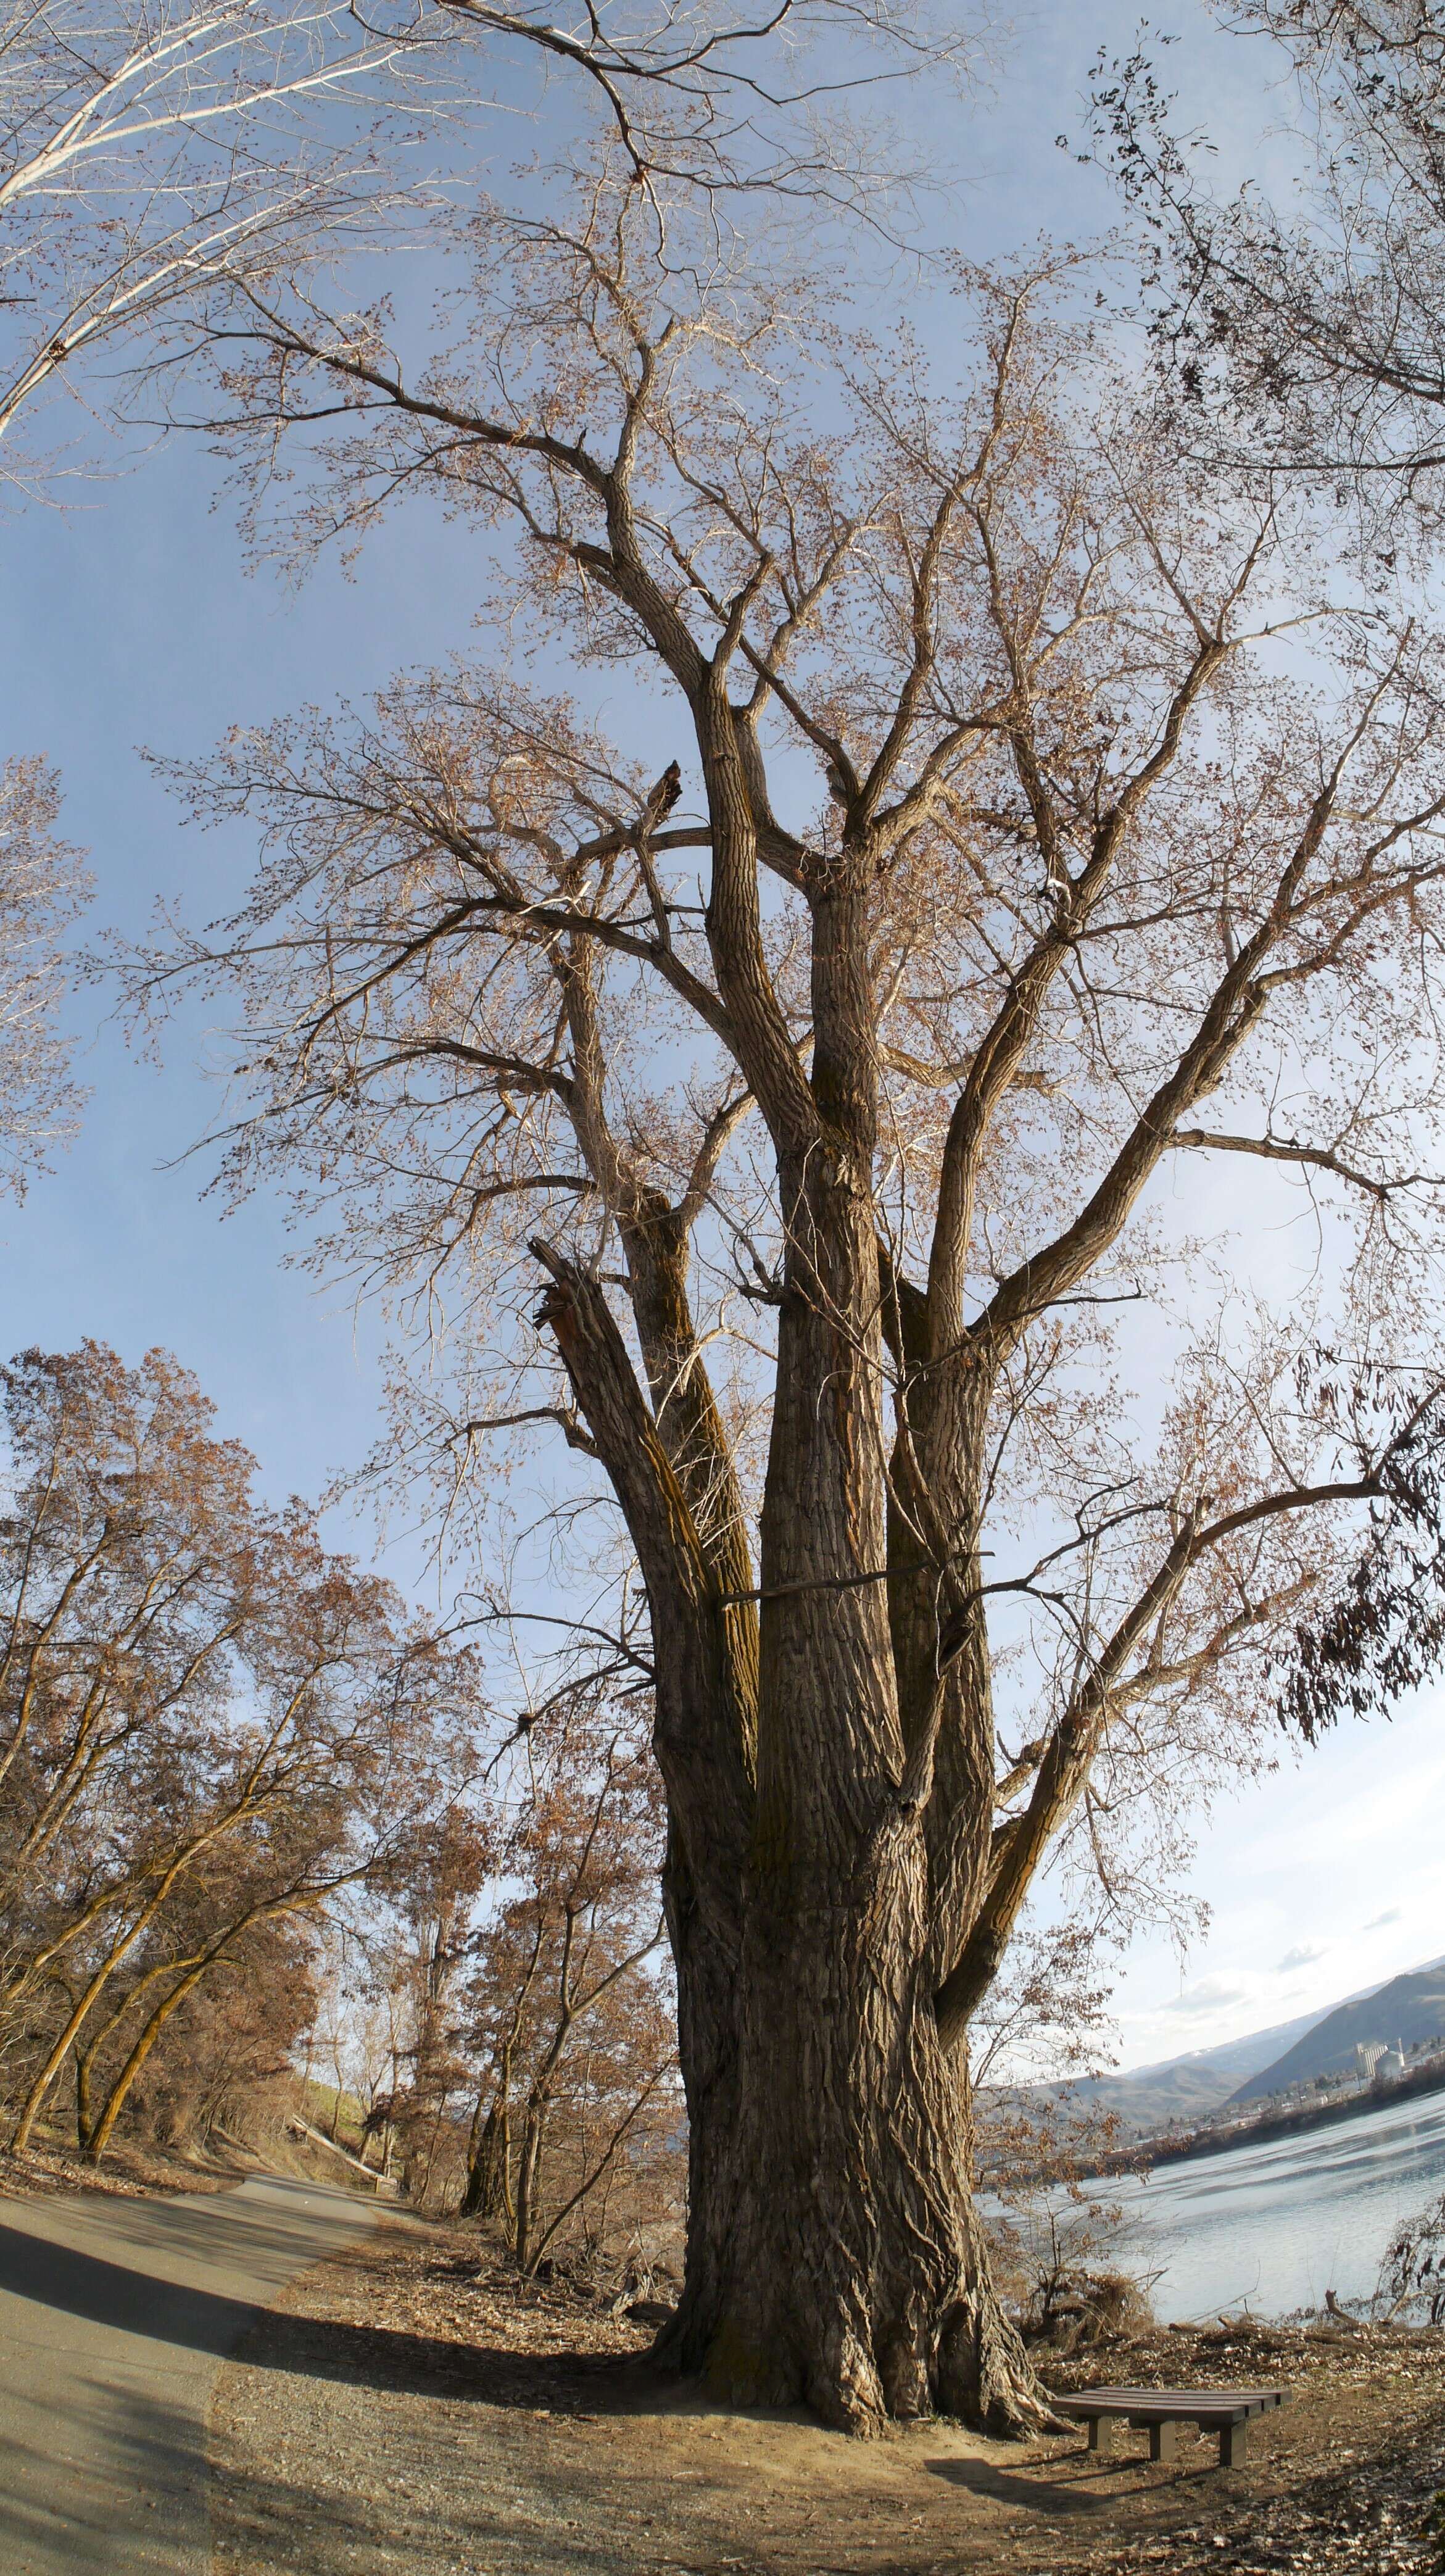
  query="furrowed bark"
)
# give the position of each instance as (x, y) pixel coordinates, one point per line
(705, 1661)
(854, 2273)
(486, 2195)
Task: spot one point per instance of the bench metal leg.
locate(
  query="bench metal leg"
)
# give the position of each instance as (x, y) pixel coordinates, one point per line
(1103, 2432)
(1164, 2441)
(1233, 2445)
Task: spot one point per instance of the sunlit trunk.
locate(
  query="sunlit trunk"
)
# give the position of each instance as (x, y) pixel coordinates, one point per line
(529, 2182)
(835, 2256)
(115, 2100)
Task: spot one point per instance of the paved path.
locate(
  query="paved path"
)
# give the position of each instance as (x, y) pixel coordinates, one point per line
(115, 2316)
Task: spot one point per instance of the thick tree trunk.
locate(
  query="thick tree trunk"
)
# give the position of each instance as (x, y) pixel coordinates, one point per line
(835, 2256)
(488, 2187)
(708, 2052)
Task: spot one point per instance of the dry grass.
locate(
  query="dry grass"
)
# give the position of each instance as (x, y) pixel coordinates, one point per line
(129, 2172)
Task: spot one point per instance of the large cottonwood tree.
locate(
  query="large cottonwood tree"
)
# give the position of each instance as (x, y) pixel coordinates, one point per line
(828, 1127)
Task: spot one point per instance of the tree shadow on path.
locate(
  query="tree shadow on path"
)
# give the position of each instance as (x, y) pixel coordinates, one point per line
(1082, 2496)
(206, 2321)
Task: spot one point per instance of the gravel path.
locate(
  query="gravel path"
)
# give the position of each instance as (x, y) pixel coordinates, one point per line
(115, 2313)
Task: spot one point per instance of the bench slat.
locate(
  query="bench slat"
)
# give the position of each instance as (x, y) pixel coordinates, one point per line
(1226, 2412)
(1185, 2404)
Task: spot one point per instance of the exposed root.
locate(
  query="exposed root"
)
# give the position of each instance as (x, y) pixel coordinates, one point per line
(982, 2373)
(985, 2375)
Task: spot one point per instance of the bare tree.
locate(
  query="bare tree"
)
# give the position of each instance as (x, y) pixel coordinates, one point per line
(150, 154)
(283, 1876)
(728, 98)
(815, 1132)
(145, 150)
(434, 1885)
(562, 2007)
(1320, 327)
(122, 1596)
(224, 2060)
(42, 887)
(208, 1721)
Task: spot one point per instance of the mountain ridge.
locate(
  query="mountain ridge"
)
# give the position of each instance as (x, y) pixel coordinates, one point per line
(1409, 2008)
(1200, 2080)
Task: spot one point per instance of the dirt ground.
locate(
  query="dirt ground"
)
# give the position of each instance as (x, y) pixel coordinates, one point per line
(411, 2407)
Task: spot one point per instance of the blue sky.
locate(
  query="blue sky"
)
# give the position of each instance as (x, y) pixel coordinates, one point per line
(133, 622)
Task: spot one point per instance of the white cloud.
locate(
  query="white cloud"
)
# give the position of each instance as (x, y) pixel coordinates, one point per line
(1212, 1994)
(1305, 1955)
(1396, 1914)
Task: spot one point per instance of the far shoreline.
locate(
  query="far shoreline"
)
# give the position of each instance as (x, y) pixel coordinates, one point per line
(1149, 2152)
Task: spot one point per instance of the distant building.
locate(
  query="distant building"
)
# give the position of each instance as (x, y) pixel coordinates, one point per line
(1414, 2003)
(1392, 2064)
(1368, 2053)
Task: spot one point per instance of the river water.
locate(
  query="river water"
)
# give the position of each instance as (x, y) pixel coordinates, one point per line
(1276, 2226)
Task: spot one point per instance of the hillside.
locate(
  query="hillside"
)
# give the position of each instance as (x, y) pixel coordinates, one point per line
(1410, 2008)
(1188, 2088)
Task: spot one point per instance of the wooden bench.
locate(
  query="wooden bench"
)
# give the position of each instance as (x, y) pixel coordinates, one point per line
(1228, 2412)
